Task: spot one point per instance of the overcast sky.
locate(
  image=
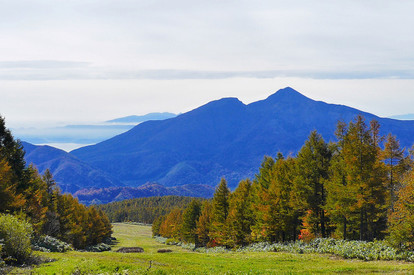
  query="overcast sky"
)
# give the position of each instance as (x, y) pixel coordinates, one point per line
(85, 61)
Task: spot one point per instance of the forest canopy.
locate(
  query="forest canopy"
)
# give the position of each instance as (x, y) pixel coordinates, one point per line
(357, 188)
(36, 198)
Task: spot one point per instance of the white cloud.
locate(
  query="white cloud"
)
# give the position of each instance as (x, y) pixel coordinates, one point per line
(100, 59)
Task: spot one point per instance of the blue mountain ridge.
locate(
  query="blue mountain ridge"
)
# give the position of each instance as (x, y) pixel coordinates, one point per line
(91, 185)
(70, 173)
(224, 138)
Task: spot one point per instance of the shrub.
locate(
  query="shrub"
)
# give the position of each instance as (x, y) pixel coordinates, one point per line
(1, 260)
(130, 250)
(160, 239)
(171, 242)
(98, 247)
(50, 244)
(16, 234)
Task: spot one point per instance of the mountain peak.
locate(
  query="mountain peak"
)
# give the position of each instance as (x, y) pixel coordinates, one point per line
(286, 96)
(228, 104)
(288, 93)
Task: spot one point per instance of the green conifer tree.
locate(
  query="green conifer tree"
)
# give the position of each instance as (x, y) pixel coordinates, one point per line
(191, 215)
(220, 212)
(240, 216)
(313, 163)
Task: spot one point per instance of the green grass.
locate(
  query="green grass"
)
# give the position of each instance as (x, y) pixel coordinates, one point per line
(181, 261)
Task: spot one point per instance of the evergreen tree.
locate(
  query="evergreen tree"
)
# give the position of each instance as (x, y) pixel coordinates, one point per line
(204, 224)
(401, 220)
(13, 152)
(365, 176)
(24, 191)
(190, 217)
(313, 163)
(50, 182)
(220, 212)
(9, 200)
(275, 216)
(341, 196)
(240, 216)
(394, 159)
(171, 225)
(156, 226)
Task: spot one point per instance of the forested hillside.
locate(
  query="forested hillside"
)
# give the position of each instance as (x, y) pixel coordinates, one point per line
(143, 210)
(357, 188)
(70, 173)
(36, 198)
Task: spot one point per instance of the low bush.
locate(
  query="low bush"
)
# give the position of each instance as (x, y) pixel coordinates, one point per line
(130, 250)
(16, 234)
(50, 244)
(109, 240)
(172, 242)
(367, 251)
(98, 248)
(164, 250)
(1, 260)
(160, 239)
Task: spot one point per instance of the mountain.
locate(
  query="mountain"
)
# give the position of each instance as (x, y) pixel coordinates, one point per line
(105, 195)
(78, 135)
(404, 117)
(139, 119)
(224, 138)
(70, 173)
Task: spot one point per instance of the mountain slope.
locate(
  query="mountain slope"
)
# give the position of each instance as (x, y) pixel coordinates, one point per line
(70, 173)
(105, 195)
(138, 119)
(223, 138)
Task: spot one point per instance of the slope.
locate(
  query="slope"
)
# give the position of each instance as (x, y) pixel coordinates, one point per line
(224, 138)
(70, 173)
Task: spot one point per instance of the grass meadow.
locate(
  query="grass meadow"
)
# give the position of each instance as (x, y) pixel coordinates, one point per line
(182, 261)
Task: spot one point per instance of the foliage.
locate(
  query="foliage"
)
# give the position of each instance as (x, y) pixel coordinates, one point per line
(312, 163)
(191, 215)
(220, 211)
(276, 217)
(50, 244)
(240, 215)
(35, 197)
(144, 210)
(101, 247)
(368, 251)
(171, 225)
(15, 234)
(402, 218)
(343, 190)
(204, 224)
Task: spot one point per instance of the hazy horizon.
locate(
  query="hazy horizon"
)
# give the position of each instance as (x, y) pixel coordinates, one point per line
(82, 62)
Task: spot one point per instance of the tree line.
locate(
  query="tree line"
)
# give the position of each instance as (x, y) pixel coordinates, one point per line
(143, 210)
(36, 198)
(357, 188)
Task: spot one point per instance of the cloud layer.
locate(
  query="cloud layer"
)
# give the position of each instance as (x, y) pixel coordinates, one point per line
(112, 39)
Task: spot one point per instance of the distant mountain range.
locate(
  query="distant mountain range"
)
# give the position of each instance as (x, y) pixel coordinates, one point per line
(403, 117)
(78, 135)
(224, 138)
(139, 119)
(70, 173)
(105, 195)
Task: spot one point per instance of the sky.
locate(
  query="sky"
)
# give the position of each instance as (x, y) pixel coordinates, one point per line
(68, 62)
